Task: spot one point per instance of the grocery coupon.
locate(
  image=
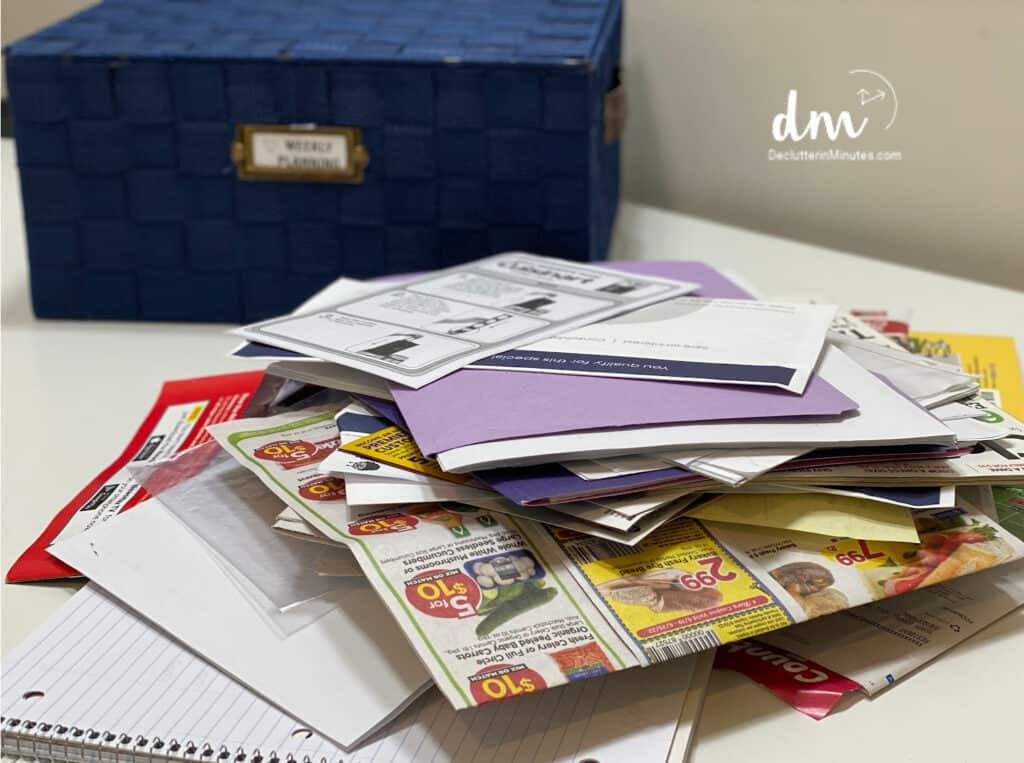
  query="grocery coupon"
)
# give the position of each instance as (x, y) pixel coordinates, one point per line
(677, 592)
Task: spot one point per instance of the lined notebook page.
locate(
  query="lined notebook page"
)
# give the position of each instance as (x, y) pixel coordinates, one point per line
(98, 667)
(101, 667)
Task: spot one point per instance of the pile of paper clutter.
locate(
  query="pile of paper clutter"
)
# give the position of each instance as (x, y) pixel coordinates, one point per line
(521, 479)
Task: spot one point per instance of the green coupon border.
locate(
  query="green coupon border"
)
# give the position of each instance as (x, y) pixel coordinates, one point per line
(237, 437)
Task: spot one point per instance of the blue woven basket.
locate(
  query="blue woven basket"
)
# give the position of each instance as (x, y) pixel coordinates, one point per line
(485, 123)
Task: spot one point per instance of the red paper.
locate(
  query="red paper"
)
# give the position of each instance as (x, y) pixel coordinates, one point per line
(176, 422)
(807, 686)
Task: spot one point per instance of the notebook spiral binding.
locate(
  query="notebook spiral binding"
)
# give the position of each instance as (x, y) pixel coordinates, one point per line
(47, 743)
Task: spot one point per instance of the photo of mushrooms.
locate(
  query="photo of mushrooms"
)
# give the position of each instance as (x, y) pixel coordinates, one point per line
(811, 585)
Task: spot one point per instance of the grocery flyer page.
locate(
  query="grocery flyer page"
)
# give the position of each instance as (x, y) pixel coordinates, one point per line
(497, 607)
(693, 585)
(489, 614)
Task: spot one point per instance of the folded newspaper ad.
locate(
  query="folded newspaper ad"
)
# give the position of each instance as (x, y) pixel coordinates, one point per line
(497, 608)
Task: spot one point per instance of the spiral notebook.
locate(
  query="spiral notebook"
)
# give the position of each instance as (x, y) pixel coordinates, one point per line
(145, 697)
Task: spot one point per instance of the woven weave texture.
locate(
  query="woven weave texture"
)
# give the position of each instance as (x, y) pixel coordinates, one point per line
(483, 121)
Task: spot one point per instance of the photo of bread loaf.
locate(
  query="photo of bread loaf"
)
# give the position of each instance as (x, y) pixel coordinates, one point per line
(659, 590)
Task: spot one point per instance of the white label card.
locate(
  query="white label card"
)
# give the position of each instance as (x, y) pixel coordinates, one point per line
(301, 151)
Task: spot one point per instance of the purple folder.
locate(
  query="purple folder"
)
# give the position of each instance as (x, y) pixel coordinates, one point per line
(474, 406)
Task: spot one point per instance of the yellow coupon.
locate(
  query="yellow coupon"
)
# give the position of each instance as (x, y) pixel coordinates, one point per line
(993, 358)
(678, 591)
(393, 446)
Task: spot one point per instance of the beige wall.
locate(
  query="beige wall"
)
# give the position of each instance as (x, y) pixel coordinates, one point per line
(704, 80)
(21, 17)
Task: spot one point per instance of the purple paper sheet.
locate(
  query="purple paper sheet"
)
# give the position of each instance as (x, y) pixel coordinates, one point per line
(470, 407)
(474, 406)
(553, 483)
(712, 283)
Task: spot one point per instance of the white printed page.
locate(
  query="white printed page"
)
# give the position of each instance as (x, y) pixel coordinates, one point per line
(720, 341)
(427, 328)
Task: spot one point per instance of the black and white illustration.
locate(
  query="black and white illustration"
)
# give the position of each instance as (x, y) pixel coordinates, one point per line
(482, 325)
(625, 286)
(390, 348)
(546, 304)
(536, 303)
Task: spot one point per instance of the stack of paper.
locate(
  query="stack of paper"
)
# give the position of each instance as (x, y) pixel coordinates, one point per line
(524, 476)
(691, 421)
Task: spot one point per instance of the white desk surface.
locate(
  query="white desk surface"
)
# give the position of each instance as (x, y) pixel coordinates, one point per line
(74, 392)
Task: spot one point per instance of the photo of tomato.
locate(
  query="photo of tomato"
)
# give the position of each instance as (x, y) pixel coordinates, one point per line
(943, 554)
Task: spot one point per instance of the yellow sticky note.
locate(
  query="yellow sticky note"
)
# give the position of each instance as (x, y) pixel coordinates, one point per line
(993, 358)
(838, 516)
